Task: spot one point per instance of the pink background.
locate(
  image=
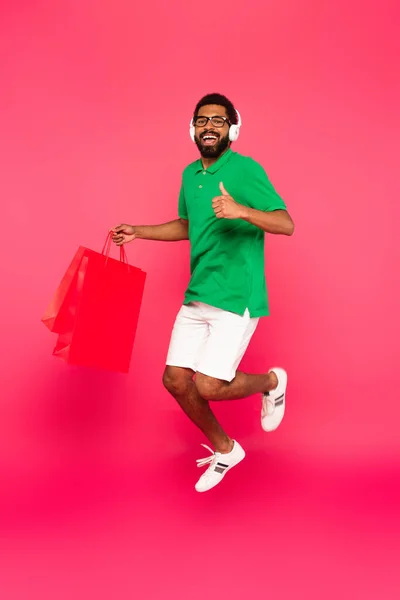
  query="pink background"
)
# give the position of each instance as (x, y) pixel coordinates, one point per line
(97, 469)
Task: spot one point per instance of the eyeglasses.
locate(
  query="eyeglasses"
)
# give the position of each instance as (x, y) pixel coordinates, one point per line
(215, 121)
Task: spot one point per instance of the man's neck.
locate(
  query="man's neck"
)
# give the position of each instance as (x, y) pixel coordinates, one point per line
(207, 162)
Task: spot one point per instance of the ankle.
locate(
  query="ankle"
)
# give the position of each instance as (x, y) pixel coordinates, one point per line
(224, 447)
(272, 382)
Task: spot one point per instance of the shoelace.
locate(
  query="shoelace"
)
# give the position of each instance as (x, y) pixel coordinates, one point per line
(201, 462)
(268, 406)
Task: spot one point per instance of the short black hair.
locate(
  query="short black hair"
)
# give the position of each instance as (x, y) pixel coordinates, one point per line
(221, 101)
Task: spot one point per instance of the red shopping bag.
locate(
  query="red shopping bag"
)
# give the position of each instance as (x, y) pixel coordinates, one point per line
(95, 310)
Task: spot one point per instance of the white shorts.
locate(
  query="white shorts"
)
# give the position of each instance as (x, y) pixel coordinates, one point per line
(210, 340)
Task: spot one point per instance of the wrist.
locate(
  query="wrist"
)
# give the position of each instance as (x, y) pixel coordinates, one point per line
(245, 213)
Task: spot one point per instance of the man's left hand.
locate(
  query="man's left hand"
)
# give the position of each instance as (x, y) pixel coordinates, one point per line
(225, 206)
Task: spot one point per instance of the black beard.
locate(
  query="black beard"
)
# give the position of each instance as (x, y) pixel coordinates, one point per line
(212, 151)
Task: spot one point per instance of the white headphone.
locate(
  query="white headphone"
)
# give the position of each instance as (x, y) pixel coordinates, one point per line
(234, 130)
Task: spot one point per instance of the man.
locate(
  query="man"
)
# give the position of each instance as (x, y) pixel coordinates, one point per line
(226, 205)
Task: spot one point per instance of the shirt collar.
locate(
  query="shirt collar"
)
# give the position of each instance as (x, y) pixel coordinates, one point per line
(222, 160)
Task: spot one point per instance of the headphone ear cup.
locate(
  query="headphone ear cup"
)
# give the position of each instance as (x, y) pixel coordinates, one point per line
(191, 130)
(234, 133)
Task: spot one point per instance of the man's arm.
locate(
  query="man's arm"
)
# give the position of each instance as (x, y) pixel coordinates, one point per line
(173, 231)
(277, 221)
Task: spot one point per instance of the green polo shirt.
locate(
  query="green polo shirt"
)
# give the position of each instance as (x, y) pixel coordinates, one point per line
(227, 255)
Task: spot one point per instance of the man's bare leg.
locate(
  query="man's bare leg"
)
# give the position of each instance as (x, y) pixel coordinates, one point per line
(194, 397)
(179, 382)
(241, 386)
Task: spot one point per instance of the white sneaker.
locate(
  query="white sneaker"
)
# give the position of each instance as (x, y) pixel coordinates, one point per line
(219, 466)
(273, 402)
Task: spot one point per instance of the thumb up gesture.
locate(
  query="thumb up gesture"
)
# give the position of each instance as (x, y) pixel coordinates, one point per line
(225, 206)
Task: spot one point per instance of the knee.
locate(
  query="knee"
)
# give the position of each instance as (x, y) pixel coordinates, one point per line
(208, 387)
(175, 380)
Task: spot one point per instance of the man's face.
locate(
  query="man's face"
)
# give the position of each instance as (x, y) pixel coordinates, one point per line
(211, 139)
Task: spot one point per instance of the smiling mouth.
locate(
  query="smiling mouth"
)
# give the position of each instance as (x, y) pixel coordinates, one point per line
(209, 139)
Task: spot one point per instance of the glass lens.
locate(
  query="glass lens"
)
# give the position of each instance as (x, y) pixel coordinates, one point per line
(200, 121)
(218, 121)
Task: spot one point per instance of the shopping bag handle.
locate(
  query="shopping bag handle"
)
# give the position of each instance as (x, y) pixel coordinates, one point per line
(107, 247)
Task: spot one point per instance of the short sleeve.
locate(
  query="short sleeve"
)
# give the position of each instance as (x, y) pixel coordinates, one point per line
(182, 209)
(261, 193)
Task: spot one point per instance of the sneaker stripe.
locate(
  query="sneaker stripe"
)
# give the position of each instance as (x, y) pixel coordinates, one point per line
(220, 470)
(280, 398)
(220, 467)
(277, 403)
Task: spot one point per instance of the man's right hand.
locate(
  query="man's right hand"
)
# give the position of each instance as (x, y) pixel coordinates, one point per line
(123, 234)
